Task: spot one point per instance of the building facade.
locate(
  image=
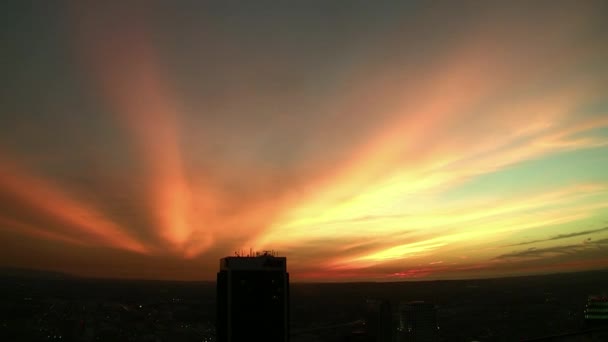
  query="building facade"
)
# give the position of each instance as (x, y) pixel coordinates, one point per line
(596, 312)
(253, 299)
(379, 320)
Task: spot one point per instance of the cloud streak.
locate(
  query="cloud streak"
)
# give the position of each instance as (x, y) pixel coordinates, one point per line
(83, 223)
(561, 236)
(556, 250)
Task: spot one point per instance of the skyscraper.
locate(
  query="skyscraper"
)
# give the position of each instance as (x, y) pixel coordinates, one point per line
(253, 298)
(379, 320)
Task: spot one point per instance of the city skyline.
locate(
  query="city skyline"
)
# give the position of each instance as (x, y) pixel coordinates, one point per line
(368, 142)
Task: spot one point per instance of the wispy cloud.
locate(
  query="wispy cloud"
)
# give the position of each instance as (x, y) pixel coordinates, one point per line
(561, 236)
(555, 250)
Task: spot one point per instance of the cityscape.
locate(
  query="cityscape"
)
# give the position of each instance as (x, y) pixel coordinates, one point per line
(304, 171)
(44, 306)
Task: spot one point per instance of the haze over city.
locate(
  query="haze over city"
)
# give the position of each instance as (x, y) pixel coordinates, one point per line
(365, 141)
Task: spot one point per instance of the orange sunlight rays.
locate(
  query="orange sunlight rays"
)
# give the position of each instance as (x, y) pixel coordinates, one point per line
(393, 184)
(129, 71)
(90, 226)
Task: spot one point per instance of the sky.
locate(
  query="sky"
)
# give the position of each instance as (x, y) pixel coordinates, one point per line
(363, 140)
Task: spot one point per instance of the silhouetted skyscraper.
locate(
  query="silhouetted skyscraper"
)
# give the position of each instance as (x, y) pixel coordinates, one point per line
(379, 320)
(253, 299)
(418, 322)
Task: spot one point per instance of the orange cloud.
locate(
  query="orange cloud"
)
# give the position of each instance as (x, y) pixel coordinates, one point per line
(475, 110)
(191, 207)
(85, 223)
(26, 229)
(129, 74)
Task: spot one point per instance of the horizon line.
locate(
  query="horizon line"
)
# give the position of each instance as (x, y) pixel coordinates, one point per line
(3, 271)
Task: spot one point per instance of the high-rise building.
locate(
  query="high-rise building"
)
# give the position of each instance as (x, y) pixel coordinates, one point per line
(418, 322)
(253, 298)
(596, 311)
(379, 320)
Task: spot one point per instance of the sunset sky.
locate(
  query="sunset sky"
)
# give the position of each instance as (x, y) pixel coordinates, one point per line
(363, 140)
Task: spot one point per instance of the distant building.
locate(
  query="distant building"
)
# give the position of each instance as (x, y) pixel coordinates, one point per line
(379, 320)
(418, 322)
(596, 311)
(253, 299)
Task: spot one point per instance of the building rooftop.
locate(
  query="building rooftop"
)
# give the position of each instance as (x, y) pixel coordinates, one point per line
(265, 260)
